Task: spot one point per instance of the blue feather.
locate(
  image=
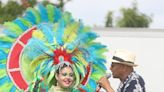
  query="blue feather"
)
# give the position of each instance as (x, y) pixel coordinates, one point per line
(5, 45)
(93, 84)
(100, 64)
(84, 38)
(96, 46)
(101, 60)
(78, 69)
(46, 28)
(31, 15)
(57, 14)
(29, 19)
(70, 46)
(91, 36)
(59, 33)
(21, 25)
(81, 27)
(43, 13)
(74, 59)
(85, 88)
(13, 89)
(47, 68)
(85, 52)
(35, 48)
(50, 60)
(96, 60)
(92, 54)
(67, 18)
(9, 33)
(2, 66)
(37, 68)
(3, 55)
(4, 79)
(41, 46)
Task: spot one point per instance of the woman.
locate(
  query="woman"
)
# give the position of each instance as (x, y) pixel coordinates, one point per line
(39, 39)
(64, 79)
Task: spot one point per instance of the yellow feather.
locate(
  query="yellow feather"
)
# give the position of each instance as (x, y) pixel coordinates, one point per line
(54, 30)
(38, 34)
(79, 56)
(38, 61)
(70, 33)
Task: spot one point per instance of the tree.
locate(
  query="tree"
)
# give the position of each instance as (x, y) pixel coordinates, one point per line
(10, 11)
(131, 17)
(109, 19)
(28, 3)
(0, 11)
(61, 4)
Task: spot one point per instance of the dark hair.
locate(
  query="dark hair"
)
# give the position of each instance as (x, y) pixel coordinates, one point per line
(62, 66)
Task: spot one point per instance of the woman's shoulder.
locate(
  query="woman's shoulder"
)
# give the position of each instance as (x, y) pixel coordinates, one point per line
(58, 89)
(51, 89)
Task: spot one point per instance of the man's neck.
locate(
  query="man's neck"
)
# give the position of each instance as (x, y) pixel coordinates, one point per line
(125, 75)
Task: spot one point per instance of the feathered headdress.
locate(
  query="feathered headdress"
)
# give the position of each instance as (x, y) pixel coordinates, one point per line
(37, 43)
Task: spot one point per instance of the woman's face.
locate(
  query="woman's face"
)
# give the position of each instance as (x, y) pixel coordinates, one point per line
(65, 77)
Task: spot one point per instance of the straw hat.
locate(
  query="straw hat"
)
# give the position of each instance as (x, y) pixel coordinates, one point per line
(125, 57)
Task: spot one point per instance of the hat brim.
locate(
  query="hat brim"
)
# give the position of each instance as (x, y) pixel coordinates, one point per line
(125, 63)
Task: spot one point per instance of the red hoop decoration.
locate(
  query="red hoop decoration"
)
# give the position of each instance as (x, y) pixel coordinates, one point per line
(13, 61)
(86, 78)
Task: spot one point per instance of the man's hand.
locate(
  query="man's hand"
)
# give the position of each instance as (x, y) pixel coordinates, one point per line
(104, 83)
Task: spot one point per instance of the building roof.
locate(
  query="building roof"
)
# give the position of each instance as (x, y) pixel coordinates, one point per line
(130, 32)
(125, 32)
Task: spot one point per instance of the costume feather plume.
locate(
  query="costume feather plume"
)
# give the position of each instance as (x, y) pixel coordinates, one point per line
(34, 14)
(44, 34)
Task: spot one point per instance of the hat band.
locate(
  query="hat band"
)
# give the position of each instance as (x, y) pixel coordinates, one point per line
(121, 60)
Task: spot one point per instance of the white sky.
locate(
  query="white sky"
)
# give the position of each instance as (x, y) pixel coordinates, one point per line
(93, 12)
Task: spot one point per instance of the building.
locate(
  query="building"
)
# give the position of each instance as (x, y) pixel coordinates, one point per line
(147, 44)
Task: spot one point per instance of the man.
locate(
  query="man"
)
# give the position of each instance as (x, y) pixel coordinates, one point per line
(122, 65)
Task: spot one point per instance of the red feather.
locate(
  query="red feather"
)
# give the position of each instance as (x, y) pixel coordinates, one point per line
(62, 52)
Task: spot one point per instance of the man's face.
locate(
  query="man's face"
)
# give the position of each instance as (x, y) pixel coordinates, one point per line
(65, 77)
(116, 69)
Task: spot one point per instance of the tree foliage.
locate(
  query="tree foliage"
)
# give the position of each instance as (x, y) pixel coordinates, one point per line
(13, 9)
(10, 11)
(109, 19)
(28, 3)
(61, 3)
(131, 17)
(0, 11)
